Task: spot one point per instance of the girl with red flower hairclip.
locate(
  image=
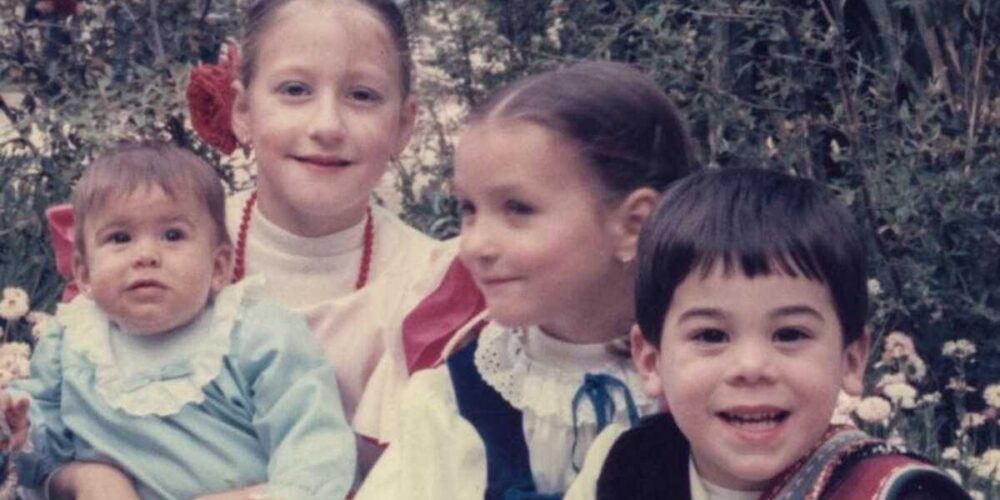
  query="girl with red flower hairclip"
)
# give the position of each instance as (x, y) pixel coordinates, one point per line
(319, 92)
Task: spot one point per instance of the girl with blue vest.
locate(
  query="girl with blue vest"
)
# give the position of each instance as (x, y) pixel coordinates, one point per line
(555, 176)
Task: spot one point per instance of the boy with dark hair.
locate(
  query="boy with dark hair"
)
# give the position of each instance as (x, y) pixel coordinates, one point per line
(751, 303)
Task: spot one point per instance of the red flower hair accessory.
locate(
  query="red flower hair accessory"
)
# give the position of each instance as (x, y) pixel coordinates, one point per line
(210, 99)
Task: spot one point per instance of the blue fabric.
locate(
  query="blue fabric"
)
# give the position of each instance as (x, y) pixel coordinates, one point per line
(597, 389)
(272, 415)
(508, 465)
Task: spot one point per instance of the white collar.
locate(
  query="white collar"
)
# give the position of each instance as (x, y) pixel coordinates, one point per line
(703, 489)
(536, 372)
(167, 390)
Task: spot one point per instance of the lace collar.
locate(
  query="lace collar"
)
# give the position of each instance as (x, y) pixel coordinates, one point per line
(165, 390)
(536, 372)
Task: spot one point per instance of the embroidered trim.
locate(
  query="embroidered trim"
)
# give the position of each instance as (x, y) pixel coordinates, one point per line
(545, 390)
(88, 333)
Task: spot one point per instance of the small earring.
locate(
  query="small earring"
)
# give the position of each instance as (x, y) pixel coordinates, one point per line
(625, 259)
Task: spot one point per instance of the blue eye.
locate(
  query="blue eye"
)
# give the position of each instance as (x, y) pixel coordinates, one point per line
(173, 235)
(294, 89)
(119, 237)
(790, 335)
(711, 336)
(515, 207)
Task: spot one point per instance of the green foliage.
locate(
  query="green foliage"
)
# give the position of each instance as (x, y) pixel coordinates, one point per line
(894, 104)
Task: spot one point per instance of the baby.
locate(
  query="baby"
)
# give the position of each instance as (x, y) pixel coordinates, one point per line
(158, 368)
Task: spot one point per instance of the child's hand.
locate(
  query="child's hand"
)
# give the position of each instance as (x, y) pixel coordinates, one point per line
(244, 494)
(90, 481)
(15, 424)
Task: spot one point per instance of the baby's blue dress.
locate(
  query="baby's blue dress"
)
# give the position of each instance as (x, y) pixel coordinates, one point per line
(255, 402)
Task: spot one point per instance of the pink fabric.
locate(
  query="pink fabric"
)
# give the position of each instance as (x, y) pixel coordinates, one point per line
(427, 328)
(61, 227)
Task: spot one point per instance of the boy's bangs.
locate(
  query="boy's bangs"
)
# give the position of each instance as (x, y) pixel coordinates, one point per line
(793, 262)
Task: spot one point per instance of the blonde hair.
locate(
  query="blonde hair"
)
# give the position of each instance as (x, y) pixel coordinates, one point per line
(129, 166)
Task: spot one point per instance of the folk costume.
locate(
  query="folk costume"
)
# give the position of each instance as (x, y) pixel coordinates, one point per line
(510, 415)
(237, 397)
(653, 461)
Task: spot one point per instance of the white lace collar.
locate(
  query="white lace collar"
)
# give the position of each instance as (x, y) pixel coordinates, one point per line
(534, 371)
(164, 391)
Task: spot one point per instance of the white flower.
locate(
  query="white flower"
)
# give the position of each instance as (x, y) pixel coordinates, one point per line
(38, 317)
(914, 368)
(896, 440)
(901, 394)
(992, 395)
(931, 398)
(15, 349)
(959, 349)
(14, 303)
(873, 409)
(898, 345)
(987, 465)
(973, 419)
(950, 453)
(16, 367)
(874, 287)
(890, 379)
(845, 406)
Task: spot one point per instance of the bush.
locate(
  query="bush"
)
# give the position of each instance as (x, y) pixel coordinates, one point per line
(893, 104)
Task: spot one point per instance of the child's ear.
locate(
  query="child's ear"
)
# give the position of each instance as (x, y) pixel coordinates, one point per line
(855, 359)
(407, 119)
(646, 357)
(222, 257)
(81, 274)
(631, 216)
(240, 120)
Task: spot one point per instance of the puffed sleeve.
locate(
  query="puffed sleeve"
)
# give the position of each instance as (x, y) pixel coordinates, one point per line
(298, 413)
(584, 487)
(51, 443)
(437, 454)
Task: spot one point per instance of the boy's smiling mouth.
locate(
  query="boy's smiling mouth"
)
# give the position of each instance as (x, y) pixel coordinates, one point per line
(754, 419)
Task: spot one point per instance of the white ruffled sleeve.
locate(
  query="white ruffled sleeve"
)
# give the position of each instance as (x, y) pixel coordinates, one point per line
(377, 412)
(437, 453)
(584, 487)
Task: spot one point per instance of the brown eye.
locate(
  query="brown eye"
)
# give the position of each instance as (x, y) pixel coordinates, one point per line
(711, 336)
(789, 335)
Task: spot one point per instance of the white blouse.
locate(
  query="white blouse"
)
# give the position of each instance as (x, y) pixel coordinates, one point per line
(359, 330)
(438, 454)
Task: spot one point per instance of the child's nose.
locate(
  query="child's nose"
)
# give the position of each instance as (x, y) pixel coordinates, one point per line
(327, 121)
(147, 254)
(476, 243)
(752, 363)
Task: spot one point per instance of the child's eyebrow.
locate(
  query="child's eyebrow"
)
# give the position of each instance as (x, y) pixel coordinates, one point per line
(700, 312)
(797, 309)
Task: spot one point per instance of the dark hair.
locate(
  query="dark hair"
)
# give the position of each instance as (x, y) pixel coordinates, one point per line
(627, 128)
(757, 222)
(129, 166)
(261, 14)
